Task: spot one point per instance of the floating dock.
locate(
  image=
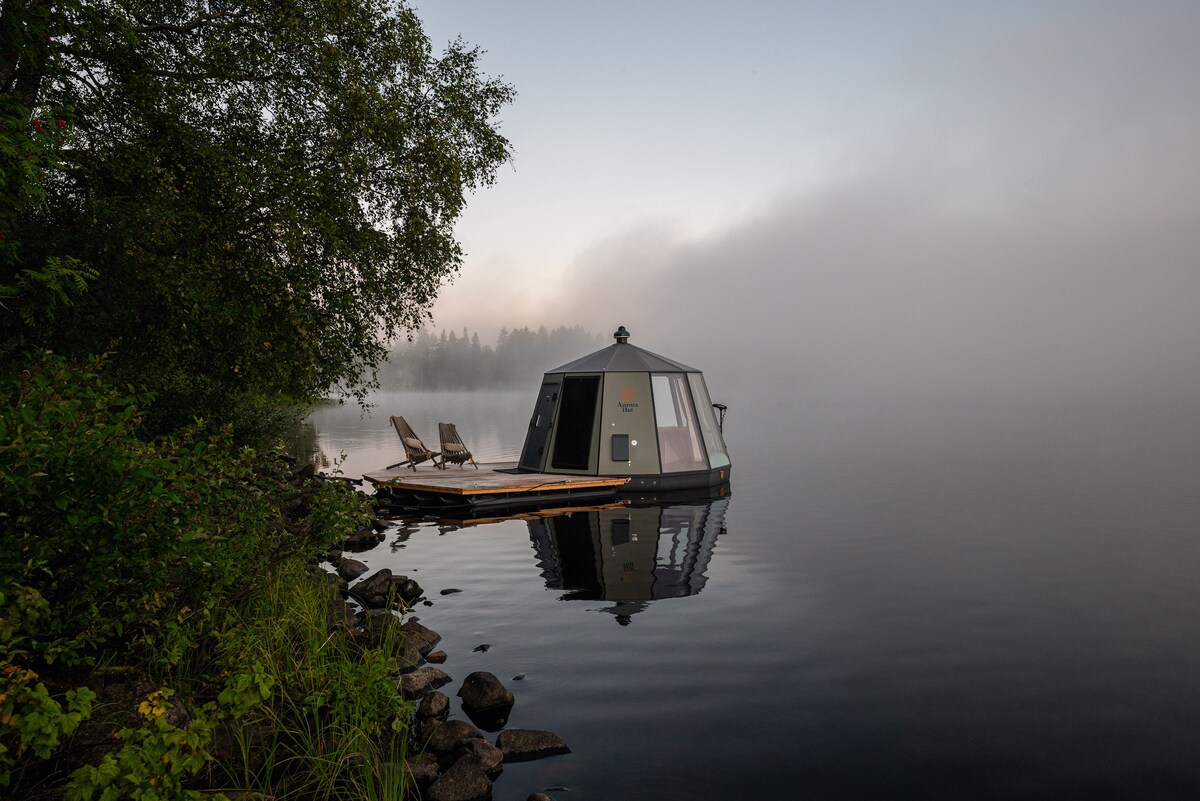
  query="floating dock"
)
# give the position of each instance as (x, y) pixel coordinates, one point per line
(492, 486)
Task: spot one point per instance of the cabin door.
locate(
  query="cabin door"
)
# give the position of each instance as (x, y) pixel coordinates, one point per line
(533, 457)
(576, 424)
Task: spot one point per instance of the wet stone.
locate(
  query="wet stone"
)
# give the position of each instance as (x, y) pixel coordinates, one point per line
(421, 681)
(424, 730)
(423, 769)
(464, 781)
(409, 656)
(407, 590)
(424, 638)
(433, 706)
(520, 745)
(362, 540)
(436, 657)
(351, 569)
(446, 736)
(491, 758)
(375, 590)
(482, 691)
(382, 590)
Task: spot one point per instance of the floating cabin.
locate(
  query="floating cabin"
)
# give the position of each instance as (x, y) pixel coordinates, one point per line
(624, 411)
(620, 421)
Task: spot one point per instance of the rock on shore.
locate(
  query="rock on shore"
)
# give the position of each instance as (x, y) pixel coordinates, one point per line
(520, 745)
(466, 780)
(382, 590)
(482, 691)
(456, 762)
(421, 681)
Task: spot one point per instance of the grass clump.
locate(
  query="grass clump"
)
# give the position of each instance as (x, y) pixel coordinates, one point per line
(319, 708)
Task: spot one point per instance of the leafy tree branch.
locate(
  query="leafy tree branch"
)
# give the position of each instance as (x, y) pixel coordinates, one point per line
(266, 191)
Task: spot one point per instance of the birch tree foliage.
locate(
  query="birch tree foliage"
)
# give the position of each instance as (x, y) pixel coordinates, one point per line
(252, 195)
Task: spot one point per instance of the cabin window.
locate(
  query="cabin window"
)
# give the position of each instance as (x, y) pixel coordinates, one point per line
(714, 443)
(678, 434)
(576, 421)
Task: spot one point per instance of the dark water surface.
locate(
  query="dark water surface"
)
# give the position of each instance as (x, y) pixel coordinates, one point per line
(900, 599)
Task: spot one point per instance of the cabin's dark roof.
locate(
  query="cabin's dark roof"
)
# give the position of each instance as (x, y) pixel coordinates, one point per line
(623, 358)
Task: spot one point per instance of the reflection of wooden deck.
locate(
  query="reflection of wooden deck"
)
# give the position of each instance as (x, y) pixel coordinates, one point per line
(485, 487)
(535, 514)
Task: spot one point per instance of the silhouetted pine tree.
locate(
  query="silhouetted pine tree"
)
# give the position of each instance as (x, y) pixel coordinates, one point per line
(451, 361)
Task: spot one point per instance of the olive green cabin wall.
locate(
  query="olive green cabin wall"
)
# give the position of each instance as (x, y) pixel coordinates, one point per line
(627, 407)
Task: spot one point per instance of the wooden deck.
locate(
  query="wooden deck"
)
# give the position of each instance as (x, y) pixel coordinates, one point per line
(485, 487)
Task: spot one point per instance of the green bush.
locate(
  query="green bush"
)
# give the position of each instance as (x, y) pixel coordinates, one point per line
(190, 560)
(31, 720)
(154, 762)
(124, 538)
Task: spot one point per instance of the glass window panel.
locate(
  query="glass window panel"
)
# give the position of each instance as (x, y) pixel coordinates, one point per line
(714, 443)
(664, 407)
(678, 434)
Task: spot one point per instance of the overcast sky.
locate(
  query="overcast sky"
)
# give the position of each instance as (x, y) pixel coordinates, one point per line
(1003, 190)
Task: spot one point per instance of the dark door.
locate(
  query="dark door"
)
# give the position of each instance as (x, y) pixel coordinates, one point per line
(533, 456)
(576, 422)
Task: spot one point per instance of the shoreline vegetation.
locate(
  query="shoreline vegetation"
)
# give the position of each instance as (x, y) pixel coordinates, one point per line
(164, 631)
(167, 632)
(209, 218)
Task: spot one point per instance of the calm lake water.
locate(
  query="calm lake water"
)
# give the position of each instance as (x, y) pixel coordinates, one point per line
(961, 599)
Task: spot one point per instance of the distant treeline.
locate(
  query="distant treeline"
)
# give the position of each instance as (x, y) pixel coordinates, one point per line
(460, 361)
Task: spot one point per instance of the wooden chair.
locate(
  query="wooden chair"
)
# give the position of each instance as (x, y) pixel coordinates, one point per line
(453, 449)
(414, 449)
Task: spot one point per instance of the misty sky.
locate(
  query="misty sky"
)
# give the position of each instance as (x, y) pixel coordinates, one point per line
(998, 193)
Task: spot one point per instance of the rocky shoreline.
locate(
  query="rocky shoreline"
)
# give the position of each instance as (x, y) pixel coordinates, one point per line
(449, 759)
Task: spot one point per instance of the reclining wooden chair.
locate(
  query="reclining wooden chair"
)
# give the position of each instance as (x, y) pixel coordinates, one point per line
(414, 449)
(453, 449)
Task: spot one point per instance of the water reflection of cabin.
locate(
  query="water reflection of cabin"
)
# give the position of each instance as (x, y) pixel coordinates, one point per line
(624, 411)
(629, 555)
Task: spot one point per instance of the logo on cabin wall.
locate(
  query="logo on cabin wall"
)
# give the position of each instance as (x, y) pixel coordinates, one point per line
(628, 401)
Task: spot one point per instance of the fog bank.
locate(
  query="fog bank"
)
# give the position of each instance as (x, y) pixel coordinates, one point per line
(1032, 229)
